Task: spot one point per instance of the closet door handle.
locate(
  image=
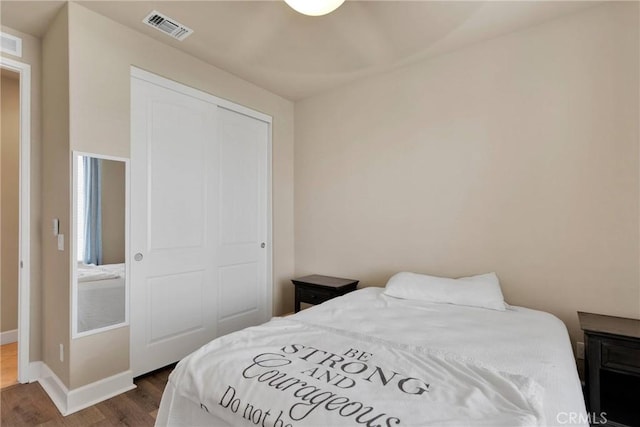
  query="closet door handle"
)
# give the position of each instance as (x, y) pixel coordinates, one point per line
(138, 256)
(263, 245)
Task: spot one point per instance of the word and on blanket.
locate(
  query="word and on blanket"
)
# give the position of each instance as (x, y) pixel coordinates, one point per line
(287, 373)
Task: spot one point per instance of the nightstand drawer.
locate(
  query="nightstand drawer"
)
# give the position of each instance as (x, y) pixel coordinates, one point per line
(621, 355)
(316, 295)
(316, 289)
(612, 368)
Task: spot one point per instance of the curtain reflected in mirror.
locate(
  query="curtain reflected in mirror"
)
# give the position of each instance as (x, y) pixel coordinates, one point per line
(100, 243)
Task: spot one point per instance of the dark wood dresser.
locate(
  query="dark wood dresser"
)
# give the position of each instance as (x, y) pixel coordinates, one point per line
(612, 368)
(316, 289)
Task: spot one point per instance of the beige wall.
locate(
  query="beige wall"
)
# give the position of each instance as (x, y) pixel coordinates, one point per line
(9, 215)
(56, 189)
(102, 52)
(31, 54)
(113, 211)
(517, 155)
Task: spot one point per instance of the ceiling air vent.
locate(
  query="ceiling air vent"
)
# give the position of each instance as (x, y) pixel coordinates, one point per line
(11, 44)
(167, 25)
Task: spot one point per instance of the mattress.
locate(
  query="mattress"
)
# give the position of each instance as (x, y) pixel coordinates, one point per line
(528, 348)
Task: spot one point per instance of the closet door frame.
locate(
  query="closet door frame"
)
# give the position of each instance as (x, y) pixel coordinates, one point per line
(221, 102)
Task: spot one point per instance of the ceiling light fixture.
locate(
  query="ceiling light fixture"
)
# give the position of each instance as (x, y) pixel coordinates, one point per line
(314, 7)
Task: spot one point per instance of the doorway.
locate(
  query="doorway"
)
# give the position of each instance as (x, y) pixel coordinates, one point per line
(9, 223)
(15, 220)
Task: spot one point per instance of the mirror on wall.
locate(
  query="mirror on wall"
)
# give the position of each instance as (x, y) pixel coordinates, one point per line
(99, 271)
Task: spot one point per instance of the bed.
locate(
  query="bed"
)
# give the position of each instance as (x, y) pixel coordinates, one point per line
(372, 359)
(101, 295)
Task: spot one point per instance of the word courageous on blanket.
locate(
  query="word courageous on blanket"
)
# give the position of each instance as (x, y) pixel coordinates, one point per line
(277, 369)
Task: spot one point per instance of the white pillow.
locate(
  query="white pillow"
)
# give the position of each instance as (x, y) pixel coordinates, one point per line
(476, 291)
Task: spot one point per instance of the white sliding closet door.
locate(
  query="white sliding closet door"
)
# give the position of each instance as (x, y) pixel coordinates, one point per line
(242, 260)
(199, 216)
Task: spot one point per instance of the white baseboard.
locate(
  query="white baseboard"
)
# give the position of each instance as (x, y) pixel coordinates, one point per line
(55, 388)
(70, 401)
(90, 394)
(7, 337)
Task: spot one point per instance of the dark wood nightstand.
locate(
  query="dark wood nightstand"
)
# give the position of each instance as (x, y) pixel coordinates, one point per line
(612, 367)
(316, 289)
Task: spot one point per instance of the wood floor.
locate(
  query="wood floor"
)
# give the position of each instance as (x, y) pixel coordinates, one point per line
(29, 405)
(8, 364)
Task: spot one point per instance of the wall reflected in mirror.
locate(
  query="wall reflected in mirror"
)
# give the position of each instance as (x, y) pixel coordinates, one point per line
(100, 243)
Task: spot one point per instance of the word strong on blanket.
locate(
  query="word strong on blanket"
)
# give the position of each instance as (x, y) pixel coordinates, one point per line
(339, 370)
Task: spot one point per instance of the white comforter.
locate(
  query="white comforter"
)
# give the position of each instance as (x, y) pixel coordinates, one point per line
(373, 360)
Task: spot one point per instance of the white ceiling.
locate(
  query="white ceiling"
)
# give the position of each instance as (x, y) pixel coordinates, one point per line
(296, 56)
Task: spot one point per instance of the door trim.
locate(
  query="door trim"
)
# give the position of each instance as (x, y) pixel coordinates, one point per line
(24, 245)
